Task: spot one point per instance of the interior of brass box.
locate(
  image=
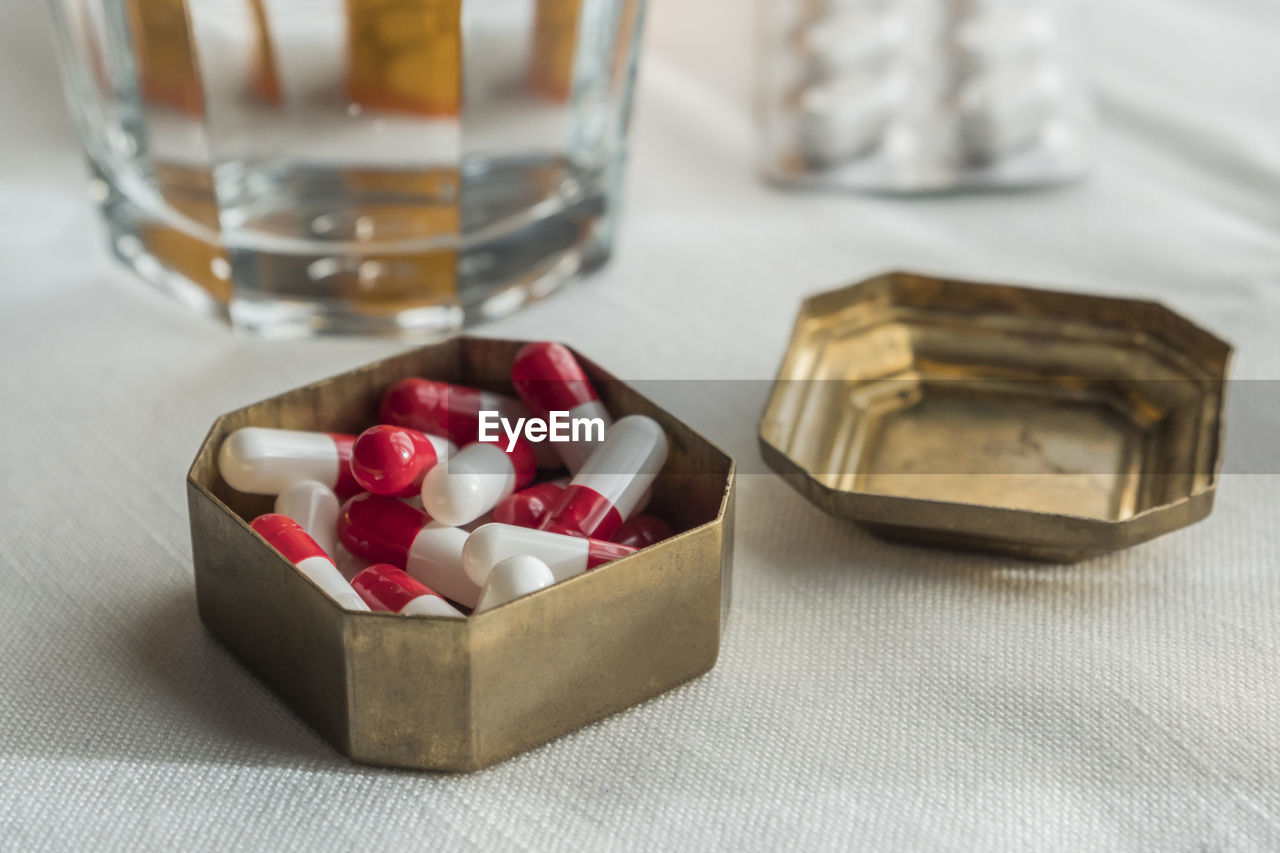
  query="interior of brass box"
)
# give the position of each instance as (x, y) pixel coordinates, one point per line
(461, 694)
(1034, 401)
(688, 493)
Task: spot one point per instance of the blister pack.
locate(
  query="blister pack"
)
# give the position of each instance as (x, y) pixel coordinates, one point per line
(921, 95)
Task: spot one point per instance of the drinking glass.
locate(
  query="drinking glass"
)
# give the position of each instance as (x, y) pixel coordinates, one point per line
(302, 167)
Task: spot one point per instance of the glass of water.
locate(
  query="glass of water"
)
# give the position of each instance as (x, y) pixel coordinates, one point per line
(304, 167)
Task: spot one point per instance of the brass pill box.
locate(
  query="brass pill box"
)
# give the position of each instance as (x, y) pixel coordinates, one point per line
(460, 695)
(1046, 425)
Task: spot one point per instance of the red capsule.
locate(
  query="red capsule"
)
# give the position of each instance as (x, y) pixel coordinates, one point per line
(387, 588)
(643, 531)
(387, 530)
(549, 379)
(453, 411)
(527, 508)
(380, 528)
(441, 408)
(288, 537)
(392, 460)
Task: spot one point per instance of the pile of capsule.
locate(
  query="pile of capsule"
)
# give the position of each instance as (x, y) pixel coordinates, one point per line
(416, 516)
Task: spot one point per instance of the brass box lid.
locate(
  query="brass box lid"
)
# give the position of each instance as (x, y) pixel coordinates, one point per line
(461, 694)
(1043, 424)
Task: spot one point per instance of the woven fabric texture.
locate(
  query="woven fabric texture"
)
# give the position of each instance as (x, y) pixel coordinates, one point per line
(868, 696)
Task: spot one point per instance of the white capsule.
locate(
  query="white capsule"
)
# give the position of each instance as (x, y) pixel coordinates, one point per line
(435, 559)
(325, 575)
(566, 556)
(847, 118)
(461, 489)
(1002, 114)
(620, 471)
(851, 40)
(512, 578)
(264, 461)
(315, 507)
(1005, 38)
(431, 605)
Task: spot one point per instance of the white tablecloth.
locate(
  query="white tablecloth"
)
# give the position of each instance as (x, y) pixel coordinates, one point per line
(867, 695)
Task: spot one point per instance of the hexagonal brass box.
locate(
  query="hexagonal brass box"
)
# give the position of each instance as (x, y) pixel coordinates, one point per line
(450, 694)
(1047, 425)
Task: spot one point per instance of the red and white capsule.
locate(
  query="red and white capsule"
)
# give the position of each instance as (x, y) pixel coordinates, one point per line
(263, 461)
(549, 379)
(513, 578)
(393, 460)
(286, 536)
(315, 507)
(527, 508)
(386, 530)
(612, 485)
(642, 531)
(566, 556)
(387, 588)
(474, 481)
(453, 411)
